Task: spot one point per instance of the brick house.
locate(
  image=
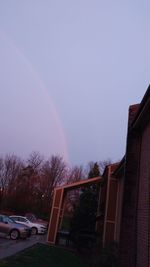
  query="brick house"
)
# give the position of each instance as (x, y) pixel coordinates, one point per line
(125, 193)
(124, 197)
(135, 207)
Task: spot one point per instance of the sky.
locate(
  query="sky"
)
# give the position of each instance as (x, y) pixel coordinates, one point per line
(68, 72)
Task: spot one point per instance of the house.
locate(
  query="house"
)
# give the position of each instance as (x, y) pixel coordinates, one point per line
(127, 200)
(135, 207)
(124, 196)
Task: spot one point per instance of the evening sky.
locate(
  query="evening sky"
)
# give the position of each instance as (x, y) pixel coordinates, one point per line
(69, 69)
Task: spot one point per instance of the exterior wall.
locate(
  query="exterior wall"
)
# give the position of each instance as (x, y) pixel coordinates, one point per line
(135, 226)
(110, 208)
(128, 232)
(101, 207)
(99, 222)
(119, 207)
(143, 218)
(55, 215)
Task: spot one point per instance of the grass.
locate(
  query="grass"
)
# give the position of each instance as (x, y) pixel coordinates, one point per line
(43, 256)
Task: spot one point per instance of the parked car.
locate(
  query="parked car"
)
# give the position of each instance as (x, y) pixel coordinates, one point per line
(32, 217)
(36, 228)
(13, 229)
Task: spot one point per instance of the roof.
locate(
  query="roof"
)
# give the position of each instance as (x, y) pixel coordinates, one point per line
(113, 167)
(120, 168)
(142, 115)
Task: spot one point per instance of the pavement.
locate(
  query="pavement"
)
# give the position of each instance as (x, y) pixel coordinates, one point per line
(10, 247)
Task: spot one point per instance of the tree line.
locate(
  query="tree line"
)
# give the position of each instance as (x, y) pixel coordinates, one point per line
(28, 185)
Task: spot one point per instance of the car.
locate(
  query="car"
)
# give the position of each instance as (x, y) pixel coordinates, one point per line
(13, 229)
(32, 217)
(36, 228)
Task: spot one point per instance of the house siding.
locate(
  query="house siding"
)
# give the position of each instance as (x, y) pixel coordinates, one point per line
(143, 217)
(128, 232)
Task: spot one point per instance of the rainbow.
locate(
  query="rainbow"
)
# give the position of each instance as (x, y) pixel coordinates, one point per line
(44, 89)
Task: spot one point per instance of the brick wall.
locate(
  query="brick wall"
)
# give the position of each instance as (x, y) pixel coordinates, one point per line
(135, 225)
(143, 217)
(129, 209)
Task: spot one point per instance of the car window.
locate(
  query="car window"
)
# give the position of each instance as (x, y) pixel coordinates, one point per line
(22, 220)
(1, 219)
(14, 218)
(7, 219)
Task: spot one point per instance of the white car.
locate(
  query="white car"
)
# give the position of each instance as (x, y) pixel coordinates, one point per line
(36, 228)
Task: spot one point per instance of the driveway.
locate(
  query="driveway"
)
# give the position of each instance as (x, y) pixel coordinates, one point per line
(10, 247)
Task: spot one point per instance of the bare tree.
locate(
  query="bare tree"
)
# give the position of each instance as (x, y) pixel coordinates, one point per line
(53, 174)
(75, 174)
(35, 160)
(30, 186)
(10, 167)
(25, 189)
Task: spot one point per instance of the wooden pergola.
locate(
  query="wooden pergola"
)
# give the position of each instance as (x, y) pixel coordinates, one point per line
(58, 205)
